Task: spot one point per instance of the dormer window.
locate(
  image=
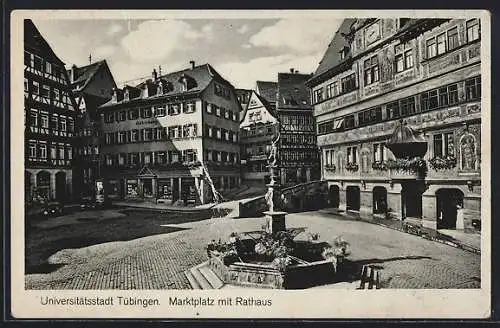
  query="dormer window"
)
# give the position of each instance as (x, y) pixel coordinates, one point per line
(159, 88)
(126, 95)
(344, 52)
(114, 98)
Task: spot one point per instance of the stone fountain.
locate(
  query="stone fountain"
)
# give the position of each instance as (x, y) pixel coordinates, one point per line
(269, 258)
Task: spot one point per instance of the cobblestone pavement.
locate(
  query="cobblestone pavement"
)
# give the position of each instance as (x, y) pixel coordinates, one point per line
(158, 262)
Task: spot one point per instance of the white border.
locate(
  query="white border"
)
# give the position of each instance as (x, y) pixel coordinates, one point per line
(447, 303)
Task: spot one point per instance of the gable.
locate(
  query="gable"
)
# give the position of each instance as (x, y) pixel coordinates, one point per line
(257, 112)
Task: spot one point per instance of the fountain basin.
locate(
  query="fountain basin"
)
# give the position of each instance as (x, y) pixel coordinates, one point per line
(308, 267)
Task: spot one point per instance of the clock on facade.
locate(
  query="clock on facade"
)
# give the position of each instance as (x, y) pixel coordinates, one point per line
(372, 33)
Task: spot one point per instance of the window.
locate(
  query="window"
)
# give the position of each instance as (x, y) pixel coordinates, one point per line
(61, 151)
(407, 106)
(349, 121)
(190, 155)
(431, 48)
(146, 112)
(441, 43)
(371, 70)
(48, 67)
(36, 87)
(62, 124)
(69, 152)
(209, 108)
(123, 116)
(133, 158)
(160, 111)
(45, 120)
(109, 160)
(209, 131)
(429, 100)
(473, 88)
(392, 110)
(370, 116)
(448, 95)
(318, 95)
(219, 133)
(217, 110)
(235, 137)
(134, 135)
(121, 137)
(175, 109)
(378, 152)
(42, 150)
(189, 107)
(226, 113)
(109, 117)
(403, 57)
(37, 64)
(348, 83)
(108, 138)
(147, 158)
(32, 149)
(189, 130)
(147, 134)
(444, 145)
(453, 38)
(53, 151)
(175, 132)
(26, 84)
(133, 114)
(472, 30)
(121, 159)
(55, 94)
(352, 155)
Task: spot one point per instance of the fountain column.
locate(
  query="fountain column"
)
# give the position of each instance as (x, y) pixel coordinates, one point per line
(275, 216)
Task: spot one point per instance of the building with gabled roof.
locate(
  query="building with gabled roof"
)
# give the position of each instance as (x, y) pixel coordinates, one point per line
(92, 86)
(49, 110)
(258, 126)
(172, 138)
(298, 155)
(397, 103)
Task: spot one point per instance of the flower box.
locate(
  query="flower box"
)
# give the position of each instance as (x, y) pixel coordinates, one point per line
(353, 167)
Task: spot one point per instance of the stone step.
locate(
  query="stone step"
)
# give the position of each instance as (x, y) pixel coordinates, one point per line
(212, 278)
(192, 281)
(200, 279)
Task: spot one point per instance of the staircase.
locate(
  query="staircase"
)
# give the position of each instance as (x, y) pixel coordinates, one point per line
(202, 277)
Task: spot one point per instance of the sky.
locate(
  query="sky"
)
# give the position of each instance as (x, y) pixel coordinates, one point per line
(241, 50)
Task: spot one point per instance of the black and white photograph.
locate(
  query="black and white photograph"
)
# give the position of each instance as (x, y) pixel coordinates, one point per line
(228, 158)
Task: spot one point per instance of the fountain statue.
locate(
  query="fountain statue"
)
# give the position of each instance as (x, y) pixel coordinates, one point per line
(275, 217)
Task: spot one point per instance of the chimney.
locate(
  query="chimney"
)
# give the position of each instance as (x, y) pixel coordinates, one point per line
(292, 70)
(154, 75)
(159, 70)
(73, 73)
(193, 63)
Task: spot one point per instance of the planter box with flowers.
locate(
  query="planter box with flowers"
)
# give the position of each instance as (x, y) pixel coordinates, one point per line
(443, 163)
(353, 167)
(330, 168)
(266, 260)
(380, 166)
(412, 168)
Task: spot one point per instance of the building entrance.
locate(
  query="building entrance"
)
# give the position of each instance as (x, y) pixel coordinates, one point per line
(448, 204)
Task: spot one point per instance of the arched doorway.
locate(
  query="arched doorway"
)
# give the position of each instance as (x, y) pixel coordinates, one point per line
(61, 192)
(379, 200)
(411, 199)
(43, 184)
(448, 201)
(353, 198)
(334, 198)
(27, 186)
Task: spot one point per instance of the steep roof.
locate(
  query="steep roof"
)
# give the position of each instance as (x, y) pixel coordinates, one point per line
(332, 58)
(83, 75)
(268, 90)
(198, 78)
(264, 102)
(292, 91)
(35, 42)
